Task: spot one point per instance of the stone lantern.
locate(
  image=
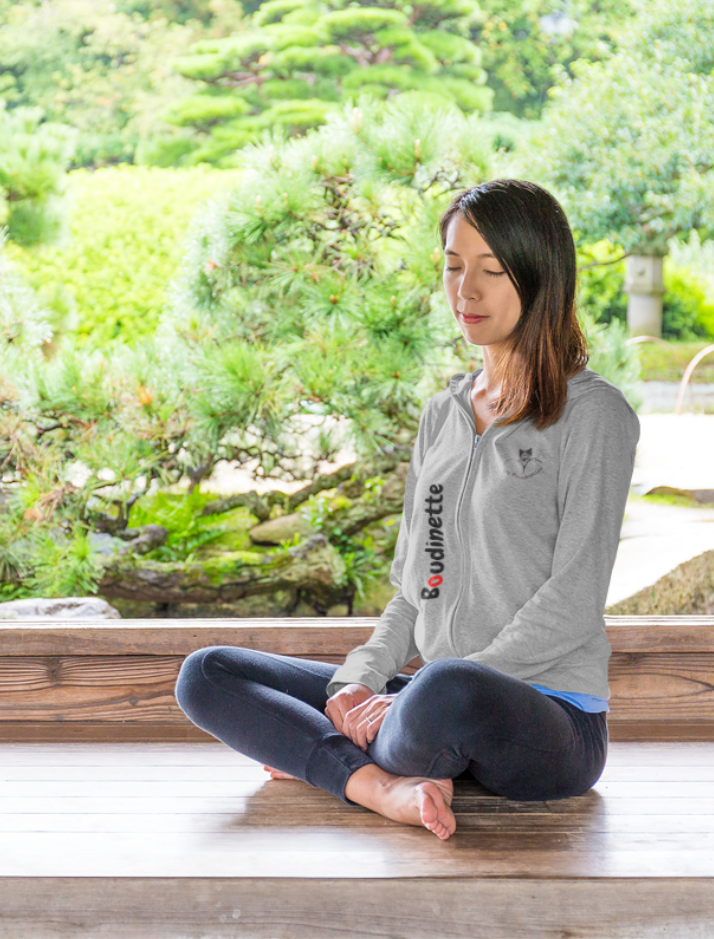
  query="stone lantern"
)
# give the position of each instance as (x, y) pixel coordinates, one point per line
(645, 286)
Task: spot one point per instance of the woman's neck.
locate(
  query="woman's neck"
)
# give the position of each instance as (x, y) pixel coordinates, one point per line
(485, 383)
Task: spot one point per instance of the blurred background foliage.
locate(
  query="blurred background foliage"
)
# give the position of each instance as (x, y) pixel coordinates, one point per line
(126, 227)
(219, 222)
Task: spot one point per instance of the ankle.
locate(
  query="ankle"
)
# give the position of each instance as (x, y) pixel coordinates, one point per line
(367, 782)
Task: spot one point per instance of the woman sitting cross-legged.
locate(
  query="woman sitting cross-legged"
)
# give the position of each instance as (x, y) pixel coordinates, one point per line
(513, 506)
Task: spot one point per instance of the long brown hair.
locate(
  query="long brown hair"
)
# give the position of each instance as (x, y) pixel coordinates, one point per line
(526, 228)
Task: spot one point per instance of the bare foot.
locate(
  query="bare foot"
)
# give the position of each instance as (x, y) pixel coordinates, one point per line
(415, 800)
(418, 800)
(278, 774)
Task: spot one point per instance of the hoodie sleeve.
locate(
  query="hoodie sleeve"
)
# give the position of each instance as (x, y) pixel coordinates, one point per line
(596, 465)
(391, 645)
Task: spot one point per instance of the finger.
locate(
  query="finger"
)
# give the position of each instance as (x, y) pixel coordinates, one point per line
(372, 731)
(363, 731)
(344, 710)
(350, 719)
(341, 708)
(362, 737)
(375, 725)
(362, 714)
(350, 728)
(350, 734)
(334, 715)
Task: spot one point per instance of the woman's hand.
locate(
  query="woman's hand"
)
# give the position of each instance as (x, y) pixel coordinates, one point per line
(344, 700)
(362, 722)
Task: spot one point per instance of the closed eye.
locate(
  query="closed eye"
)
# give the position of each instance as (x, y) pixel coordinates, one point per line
(492, 273)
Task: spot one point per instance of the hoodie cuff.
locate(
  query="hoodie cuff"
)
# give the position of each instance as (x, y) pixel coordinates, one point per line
(373, 680)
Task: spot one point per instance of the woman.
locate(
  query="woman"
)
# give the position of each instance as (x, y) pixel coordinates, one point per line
(513, 506)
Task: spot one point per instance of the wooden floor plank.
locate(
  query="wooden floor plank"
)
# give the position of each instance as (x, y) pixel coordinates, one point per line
(210, 754)
(211, 789)
(179, 730)
(366, 908)
(148, 823)
(232, 817)
(385, 853)
(161, 841)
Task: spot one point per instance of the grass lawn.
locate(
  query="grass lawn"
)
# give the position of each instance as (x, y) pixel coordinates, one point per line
(659, 362)
(669, 499)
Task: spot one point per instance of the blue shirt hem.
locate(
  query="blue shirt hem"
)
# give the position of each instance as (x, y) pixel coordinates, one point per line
(586, 702)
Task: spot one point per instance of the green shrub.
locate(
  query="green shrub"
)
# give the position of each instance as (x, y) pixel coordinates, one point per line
(126, 243)
(601, 295)
(687, 311)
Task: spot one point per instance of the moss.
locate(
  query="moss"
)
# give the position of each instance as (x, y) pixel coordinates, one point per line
(217, 569)
(239, 520)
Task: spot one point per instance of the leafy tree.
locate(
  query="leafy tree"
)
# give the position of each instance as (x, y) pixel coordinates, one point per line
(105, 70)
(209, 13)
(309, 316)
(294, 62)
(100, 70)
(627, 144)
(527, 45)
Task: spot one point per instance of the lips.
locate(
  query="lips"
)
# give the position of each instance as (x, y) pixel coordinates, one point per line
(472, 319)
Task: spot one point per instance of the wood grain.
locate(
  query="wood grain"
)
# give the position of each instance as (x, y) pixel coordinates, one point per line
(140, 688)
(297, 636)
(122, 675)
(498, 907)
(164, 840)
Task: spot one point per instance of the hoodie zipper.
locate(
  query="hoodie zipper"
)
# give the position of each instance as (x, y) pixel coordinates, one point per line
(472, 454)
(469, 416)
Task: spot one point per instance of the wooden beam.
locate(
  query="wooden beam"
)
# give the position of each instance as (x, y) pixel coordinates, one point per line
(108, 673)
(325, 635)
(461, 907)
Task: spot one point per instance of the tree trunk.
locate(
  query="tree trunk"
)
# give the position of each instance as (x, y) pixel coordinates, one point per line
(313, 564)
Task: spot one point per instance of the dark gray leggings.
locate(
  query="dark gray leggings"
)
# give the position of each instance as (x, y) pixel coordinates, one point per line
(453, 718)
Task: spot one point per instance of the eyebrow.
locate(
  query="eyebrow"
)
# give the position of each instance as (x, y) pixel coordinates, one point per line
(449, 251)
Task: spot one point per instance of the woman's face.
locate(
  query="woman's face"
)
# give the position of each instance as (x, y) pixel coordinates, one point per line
(478, 286)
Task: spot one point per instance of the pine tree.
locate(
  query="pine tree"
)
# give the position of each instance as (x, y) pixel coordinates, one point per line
(295, 62)
(34, 155)
(309, 316)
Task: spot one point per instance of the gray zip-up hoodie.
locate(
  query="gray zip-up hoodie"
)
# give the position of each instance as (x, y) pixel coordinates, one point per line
(505, 550)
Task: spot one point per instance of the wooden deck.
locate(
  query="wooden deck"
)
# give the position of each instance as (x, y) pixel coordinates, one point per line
(121, 820)
(164, 840)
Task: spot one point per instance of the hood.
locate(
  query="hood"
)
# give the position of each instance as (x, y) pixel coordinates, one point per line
(461, 383)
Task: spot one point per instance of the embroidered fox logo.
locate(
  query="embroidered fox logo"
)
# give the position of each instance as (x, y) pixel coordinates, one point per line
(526, 465)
